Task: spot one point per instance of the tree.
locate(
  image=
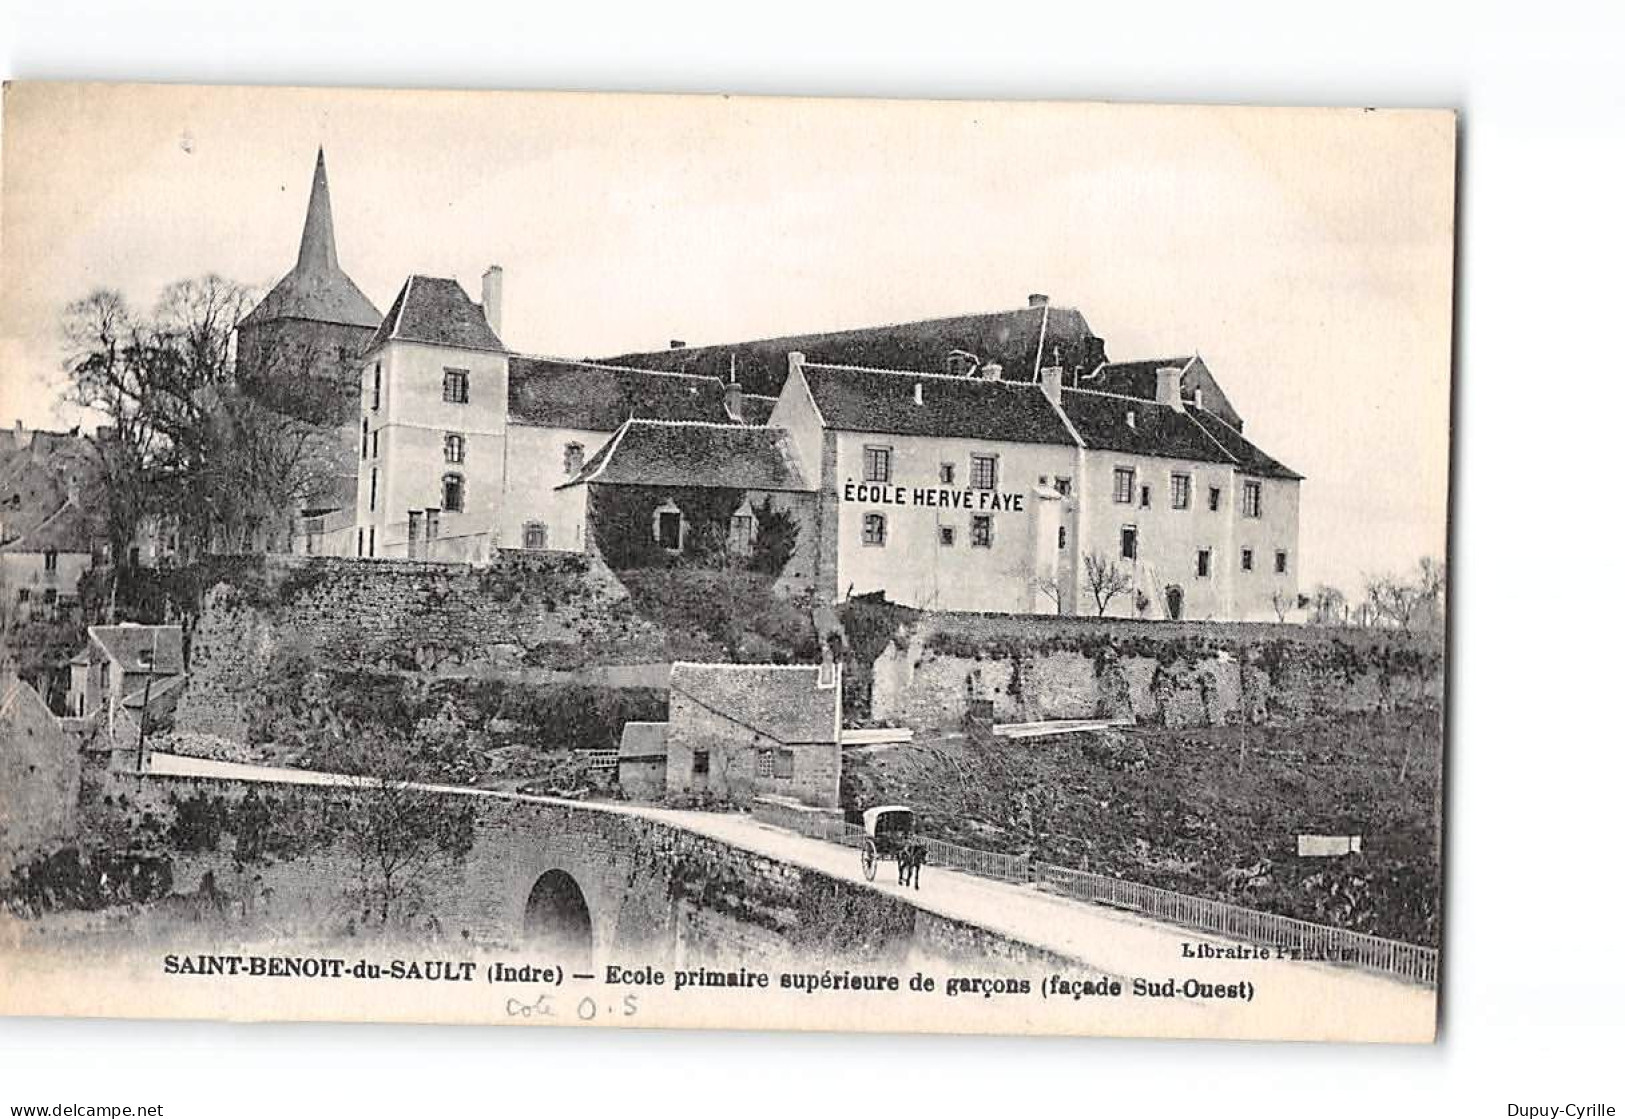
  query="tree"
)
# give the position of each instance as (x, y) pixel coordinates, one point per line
(1327, 606)
(1432, 588)
(777, 531)
(400, 833)
(183, 437)
(1105, 580)
(1281, 602)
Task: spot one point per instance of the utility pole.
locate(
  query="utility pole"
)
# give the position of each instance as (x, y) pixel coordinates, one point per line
(146, 701)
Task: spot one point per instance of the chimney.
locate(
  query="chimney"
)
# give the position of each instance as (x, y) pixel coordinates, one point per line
(1038, 299)
(491, 298)
(1197, 393)
(919, 393)
(734, 400)
(1130, 417)
(1168, 388)
(677, 344)
(797, 360)
(1049, 378)
(992, 371)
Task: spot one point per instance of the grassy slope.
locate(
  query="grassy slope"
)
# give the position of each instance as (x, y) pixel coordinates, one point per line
(1213, 812)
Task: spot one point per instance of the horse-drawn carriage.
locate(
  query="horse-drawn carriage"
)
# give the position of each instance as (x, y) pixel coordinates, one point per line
(888, 833)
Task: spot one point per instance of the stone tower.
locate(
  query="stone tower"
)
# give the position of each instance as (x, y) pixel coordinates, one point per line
(297, 348)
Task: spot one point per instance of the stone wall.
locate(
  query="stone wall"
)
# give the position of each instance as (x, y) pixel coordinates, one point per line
(1159, 673)
(528, 612)
(39, 776)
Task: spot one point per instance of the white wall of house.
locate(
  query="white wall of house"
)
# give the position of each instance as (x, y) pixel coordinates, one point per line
(536, 467)
(917, 564)
(411, 422)
(34, 584)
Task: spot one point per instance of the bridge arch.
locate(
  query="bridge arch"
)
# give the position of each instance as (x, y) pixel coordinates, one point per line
(558, 918)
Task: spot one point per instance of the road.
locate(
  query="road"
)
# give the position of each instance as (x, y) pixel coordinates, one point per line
(1309, 999)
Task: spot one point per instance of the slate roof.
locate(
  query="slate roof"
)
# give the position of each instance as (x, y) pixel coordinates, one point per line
(69, 529)
(643, 742)
(781, 702)
(1010, 338)
(883, 401)
(164, 696)
(661, 453)
(437, 310)
(129, 645)
(317, 289)
(1159, 430)
(1133, 378)
(757, 409)
(589, 397)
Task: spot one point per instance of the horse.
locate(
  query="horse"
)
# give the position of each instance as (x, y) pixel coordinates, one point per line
(909, 861)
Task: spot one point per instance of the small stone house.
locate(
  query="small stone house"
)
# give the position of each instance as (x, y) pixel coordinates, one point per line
(738, 731)
(117, 662)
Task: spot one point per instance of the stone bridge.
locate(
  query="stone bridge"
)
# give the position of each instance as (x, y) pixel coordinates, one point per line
(587, 884)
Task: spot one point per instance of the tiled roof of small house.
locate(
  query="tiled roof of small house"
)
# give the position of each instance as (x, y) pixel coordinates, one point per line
(780, 702)
(643, 741)
(894, 402)
(317, 289)
(549, 392)
(664, 453)
(1102, 422)
(132, 647)
(438, 311)
(1015, 339)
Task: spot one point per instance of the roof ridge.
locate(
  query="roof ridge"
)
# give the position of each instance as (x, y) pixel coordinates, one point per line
(745, 664)
(919, 373)
(653, 420)
(586, 364)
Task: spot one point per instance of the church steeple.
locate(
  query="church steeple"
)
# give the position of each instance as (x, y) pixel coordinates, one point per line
(317, 249)
(317, 290)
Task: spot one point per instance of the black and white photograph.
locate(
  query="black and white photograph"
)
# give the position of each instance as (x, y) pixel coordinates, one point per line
(755, 563)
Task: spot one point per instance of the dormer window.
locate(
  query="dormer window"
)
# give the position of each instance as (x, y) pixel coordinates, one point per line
(960, 364)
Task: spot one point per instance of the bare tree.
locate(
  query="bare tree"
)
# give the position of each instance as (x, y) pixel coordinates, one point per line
(1281, 602)
(1327, 606)
(1105, 580)
(1392, 600)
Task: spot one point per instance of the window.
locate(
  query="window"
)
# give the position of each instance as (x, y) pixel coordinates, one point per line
(22, 594)
(1246, 559)
(371, 541)
(454, 447)
(375, 443)
(784, 763)
(945, 473)
(50, 562)
(1145, 497)
(874, 530)
(981, 531)
(574, 456)
(945, 535)
(702, 763)
(764, 763)
(535, 536)
(741, 532)
(1204, 563)
(372, 497)
(877, 464)
(1130, 539)
(1213, 498)
(454, 386)
(669, 527)
(1179, 491)
(1060, 539)
(363, 438)
(377, 385)
(50, 596)
(1063, 485)
(451, 493)
(1252, 499)
(984, 472)
(1123, 485)
(360, 542)
(1280, 563)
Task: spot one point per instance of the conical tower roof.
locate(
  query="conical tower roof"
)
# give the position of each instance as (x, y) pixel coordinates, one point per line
(317, 289)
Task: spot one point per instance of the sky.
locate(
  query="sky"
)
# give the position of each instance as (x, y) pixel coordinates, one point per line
(1306, 254)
